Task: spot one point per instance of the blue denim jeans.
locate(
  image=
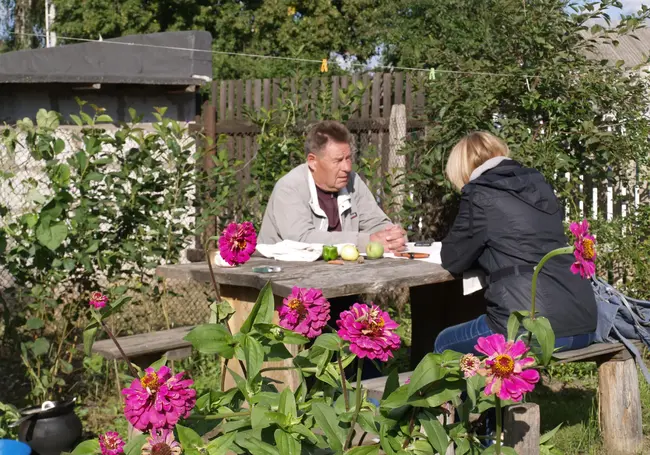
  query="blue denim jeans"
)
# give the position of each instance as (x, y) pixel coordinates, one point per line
(462, 337)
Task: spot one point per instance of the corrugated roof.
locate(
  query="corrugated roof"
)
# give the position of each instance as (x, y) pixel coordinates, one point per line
(167, 58)
(633, 49)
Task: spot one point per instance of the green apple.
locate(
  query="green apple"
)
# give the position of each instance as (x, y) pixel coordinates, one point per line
(374, 250)
(349, 253)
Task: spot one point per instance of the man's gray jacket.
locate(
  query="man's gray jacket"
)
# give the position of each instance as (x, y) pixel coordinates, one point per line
(293, 212)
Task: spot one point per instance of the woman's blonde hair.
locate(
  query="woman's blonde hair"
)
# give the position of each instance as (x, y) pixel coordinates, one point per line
(469, 153)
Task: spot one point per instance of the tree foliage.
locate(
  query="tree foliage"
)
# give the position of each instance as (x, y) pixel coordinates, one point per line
(306, 29)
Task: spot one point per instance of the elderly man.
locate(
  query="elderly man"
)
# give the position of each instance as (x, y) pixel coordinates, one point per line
(324, 201)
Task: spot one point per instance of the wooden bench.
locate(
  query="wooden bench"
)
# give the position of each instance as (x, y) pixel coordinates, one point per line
(618, 398)
(146, 348)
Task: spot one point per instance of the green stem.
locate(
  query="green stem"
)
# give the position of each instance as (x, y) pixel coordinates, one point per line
(497, 402)
(357, 409)
(538, 268)
(344, 387)
(224, 415)
(264, 370)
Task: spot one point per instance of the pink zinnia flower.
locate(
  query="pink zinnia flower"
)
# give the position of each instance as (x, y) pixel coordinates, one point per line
(237, 243)
(505, 369)
(161, 443)
(369, 331)
(158, 400)
(305, 311)
(585, 250)
(469, 365)
(110, 443)
(98, 300)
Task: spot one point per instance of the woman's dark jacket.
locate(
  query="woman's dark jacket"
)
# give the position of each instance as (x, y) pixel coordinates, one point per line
(510, 216)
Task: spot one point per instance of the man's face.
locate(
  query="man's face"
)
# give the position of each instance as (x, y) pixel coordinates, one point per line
(332, 166)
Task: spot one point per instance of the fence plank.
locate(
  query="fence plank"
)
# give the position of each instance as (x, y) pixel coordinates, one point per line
(387, 101)
(214, 93)
(275, 101)
(267, 94)
(222, 100)
(248, 140)
(335, 94)
(419, 99)
(409, 95)
(240, 116)
(399, 89)
(258, 94)
(375, 109)
(231, 99)
(365, 99)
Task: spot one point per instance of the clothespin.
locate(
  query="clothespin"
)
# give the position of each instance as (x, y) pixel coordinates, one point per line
(323, 66)
(432, 74)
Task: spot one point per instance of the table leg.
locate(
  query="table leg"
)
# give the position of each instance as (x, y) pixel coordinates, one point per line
(242, 300)
(434, 307)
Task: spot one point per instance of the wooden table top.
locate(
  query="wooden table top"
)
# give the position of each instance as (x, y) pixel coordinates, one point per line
(335, 280)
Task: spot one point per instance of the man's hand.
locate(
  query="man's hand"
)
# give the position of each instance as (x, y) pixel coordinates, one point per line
(392, 237)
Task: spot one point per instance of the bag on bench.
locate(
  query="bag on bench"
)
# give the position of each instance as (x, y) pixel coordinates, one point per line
(622, 318)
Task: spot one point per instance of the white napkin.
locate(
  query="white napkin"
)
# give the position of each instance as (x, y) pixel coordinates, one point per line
(288, 250)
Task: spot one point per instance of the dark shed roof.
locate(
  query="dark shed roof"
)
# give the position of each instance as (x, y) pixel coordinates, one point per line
(114, 61)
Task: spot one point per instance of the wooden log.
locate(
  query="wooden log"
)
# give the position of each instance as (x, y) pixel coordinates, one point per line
(242, 300)
(620, 407)
(521, 425)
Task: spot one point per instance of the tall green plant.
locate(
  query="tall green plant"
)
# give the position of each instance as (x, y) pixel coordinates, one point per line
(108, 208)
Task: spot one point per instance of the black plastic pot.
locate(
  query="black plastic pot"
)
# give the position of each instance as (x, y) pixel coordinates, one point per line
(51, 428)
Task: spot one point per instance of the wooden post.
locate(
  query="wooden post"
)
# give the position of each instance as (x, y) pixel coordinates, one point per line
(522, 428)
(210, 128)
(397, 161)
(620, 407)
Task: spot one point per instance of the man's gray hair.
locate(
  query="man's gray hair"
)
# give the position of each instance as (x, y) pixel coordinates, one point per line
(321, 133)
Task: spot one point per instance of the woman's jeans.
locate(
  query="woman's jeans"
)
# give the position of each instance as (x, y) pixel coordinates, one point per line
(462, 337)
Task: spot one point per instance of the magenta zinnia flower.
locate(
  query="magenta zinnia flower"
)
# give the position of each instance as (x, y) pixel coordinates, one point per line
(369, 331)
(98, 300)
(504, 369)
(585, 250)
(237, 243)
(469, 365)
(161, 443)
(158, 400)
(305, 311)
(110, 443)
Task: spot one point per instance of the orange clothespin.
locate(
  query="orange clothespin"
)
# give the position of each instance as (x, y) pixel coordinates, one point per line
(291, 11)
(323, 66)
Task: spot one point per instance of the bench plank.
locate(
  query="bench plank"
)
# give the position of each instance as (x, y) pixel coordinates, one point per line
(144, 344)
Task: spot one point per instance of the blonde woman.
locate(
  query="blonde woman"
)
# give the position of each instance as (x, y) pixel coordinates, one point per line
(509, 218)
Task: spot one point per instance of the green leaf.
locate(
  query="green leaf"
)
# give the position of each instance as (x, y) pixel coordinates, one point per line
(427, 371)
(329, 341)
(35, 196)
(363, 450)
(159, 363)
(34, 323)
(222, 444)
(189, 439)
(212, 339)
(304, 431)
(257, 447)
(549, 434)
(436, 433)
(253, 355)
(53, 236)
(287, 445)
(277, 333)
(392, 383)
(89, 339)
(541, 328)
(262, 311)
(288, 403)
(327, 420)
(104, 118)
(95, 177)
(134, 446)
(40, 346)
(90, 447)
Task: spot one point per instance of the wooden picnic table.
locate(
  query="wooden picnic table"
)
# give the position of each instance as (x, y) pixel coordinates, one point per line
(437, 299)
